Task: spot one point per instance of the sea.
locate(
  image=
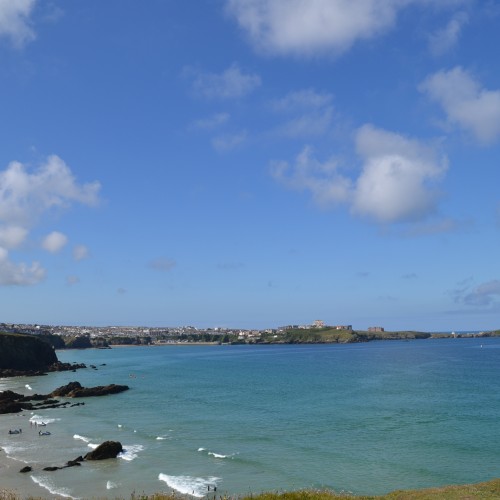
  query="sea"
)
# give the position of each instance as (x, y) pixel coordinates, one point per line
(207, 420)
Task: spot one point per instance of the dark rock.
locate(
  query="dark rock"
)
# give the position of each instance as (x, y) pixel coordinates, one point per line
(50, 469)
(72, 463)
(75, 390)
(26, 469)
(25, 352)
(108, 449)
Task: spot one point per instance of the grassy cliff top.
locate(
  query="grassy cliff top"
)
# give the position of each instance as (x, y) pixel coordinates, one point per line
(489, 490)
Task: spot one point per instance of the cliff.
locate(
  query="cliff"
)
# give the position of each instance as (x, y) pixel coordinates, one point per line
(25, 352)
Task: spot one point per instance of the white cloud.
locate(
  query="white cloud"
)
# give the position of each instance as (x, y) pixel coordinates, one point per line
(232, 83)
(311, 112)
(12, 273)
(301, 100)
(80, 252)
(54, 242)
(212, 122)
(228, 142)
(310, 27)
(15, 21)
(12, 236)
(486, 294)
(465, 102)
(326, 185)
(305, 27)
(394, 185)
(24, 196)
(445, 39)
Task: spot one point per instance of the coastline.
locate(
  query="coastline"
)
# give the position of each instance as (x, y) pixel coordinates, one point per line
(23, 483)
(18, 483)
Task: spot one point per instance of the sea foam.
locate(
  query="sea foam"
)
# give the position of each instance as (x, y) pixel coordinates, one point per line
(49, 486)
(110, 485)
(81, 438)
(40, 420)
(130, 451)
(188, 485)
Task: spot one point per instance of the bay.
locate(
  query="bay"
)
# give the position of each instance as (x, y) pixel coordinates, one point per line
(365, 418)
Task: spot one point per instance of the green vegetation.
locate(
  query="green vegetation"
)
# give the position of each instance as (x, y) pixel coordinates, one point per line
(489, 490)
(332, 335)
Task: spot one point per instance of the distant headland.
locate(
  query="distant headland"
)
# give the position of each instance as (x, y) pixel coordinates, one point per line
(82, 337)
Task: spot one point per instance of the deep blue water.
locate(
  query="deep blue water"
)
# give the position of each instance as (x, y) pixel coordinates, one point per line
(367, 418)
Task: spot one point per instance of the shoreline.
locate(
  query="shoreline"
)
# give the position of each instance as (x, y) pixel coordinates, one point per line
(19, 483)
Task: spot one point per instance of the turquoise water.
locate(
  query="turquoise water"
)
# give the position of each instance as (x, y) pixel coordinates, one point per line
(365, 418)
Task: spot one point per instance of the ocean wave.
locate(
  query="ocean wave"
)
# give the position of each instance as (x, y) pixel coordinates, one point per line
(92, 445)
(110, 485)
(130, 451)
(188, 485)
(49, 486)
(81, 438)
(216, 455)
(28, 387)
(40, 420)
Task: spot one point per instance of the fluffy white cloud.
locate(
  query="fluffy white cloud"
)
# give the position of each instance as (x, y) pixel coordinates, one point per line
(80, 252)
(12, 273)
(465, 102)
(326, 185)
(445, 39)
(230, 84)
(54, 242)
(12, 236)
(15, 21)
(305, 27)
(25, 195)
(309, 27)
(395, 183)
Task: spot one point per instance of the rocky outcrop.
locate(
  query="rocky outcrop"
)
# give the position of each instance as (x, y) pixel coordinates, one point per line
(25, 352)
(12, 402)
(75, 390)
(108, 449)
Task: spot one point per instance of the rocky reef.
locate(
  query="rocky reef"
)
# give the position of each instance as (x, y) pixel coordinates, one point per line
(12, 402)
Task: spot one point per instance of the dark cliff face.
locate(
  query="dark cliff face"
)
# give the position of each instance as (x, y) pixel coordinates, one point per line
(25, 352)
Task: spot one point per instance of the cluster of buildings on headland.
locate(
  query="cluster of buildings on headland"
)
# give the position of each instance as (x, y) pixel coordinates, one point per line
(87, 336)
(165, 334)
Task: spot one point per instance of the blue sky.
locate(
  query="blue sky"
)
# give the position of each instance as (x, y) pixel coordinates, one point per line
(250, 163)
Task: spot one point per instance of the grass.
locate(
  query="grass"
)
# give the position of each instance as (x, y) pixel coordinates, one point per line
(489, 490)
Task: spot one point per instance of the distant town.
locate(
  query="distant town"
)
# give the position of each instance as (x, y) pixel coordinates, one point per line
(316, 332)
